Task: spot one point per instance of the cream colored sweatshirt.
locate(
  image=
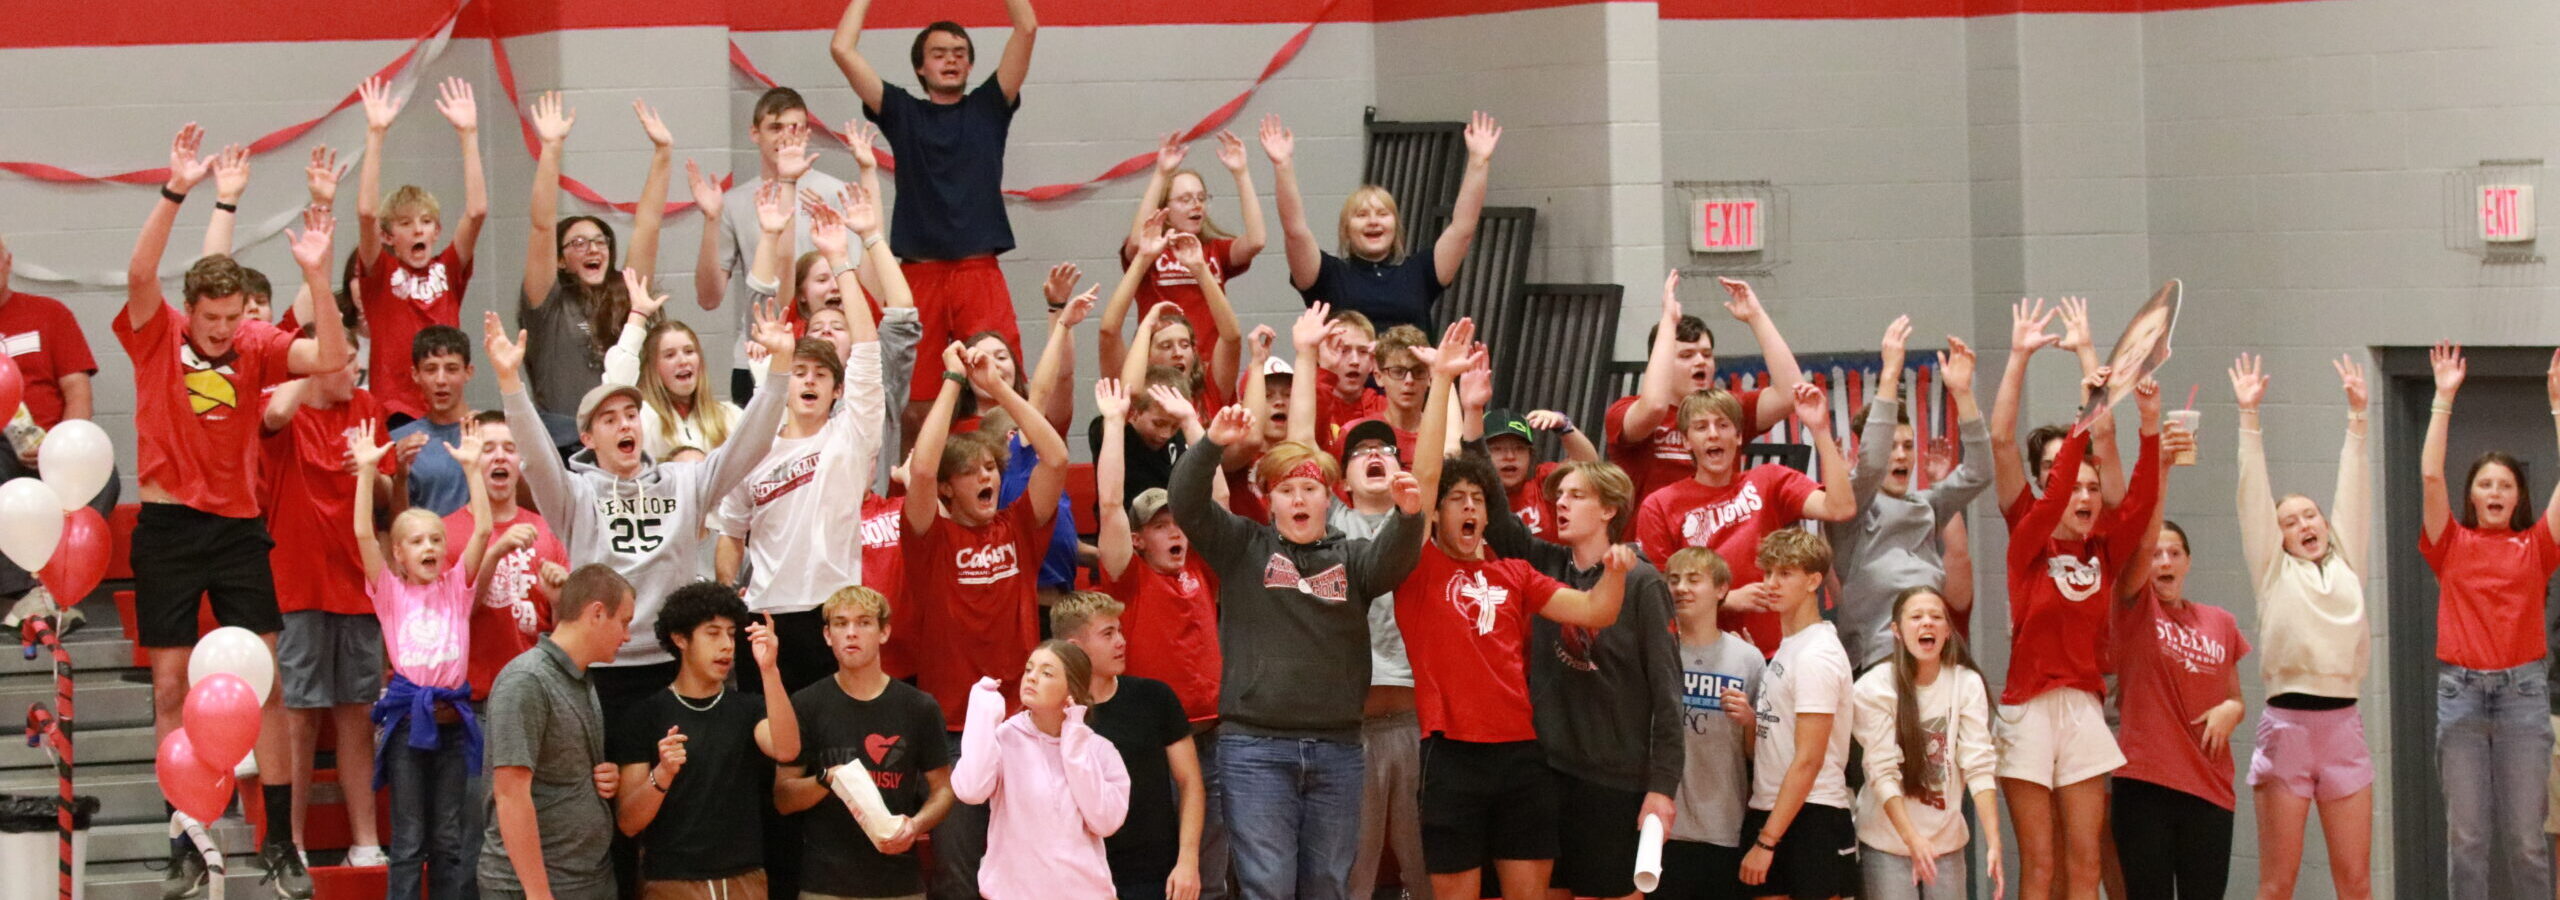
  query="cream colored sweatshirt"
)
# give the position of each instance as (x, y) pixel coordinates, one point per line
(2313, 637)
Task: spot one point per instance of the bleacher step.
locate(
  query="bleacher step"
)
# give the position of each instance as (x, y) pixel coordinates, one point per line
(92, 745)
(100, 702)
(149, 841)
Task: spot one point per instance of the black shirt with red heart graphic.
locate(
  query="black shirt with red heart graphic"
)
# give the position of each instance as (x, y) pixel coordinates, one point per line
(899, 737)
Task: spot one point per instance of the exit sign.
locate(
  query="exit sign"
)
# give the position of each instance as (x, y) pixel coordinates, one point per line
(1726, 225)
(2506, 213)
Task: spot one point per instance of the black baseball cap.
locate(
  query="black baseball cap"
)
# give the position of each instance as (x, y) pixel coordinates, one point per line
(1506, 423)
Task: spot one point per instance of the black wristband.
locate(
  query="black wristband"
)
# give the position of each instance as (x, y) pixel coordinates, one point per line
(172, 196)
(1763, 842)
(957, 378)
(226, 207)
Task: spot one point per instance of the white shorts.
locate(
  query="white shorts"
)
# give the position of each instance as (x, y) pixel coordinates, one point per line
(2057, 738)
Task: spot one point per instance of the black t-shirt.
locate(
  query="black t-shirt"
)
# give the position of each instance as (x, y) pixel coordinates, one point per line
(1145, 467)
(1141, 720)
(711, 824)
(1390, 294)
(898, 737)
(950, 172)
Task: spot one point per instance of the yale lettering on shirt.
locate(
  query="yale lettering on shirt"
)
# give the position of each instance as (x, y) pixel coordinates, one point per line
(985, 565)
(1700, 527)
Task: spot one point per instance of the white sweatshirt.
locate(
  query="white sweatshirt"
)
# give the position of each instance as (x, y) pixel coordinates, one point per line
(2311, 615)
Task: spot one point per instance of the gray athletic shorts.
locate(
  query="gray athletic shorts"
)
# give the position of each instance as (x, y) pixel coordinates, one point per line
(329, 659)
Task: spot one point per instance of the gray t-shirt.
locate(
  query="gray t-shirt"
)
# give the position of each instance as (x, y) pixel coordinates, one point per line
(561, 362)
(1715, 781)
(543, 716)
(1387, 662)
(738, 233)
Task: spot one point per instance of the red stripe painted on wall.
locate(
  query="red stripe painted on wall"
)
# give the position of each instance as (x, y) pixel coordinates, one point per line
(42, 23)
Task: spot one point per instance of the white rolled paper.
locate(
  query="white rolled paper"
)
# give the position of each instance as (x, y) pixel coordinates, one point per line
(852, 784)
(1649, 855)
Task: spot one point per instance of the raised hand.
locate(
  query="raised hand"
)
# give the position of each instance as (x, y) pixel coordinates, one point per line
(706, 193)
(1482, 133)
(2027, 321)
(2248, 382)
(552, 119)
(954, 360)
(380, 107)
(2351, 378)
(466, 454)
(2146, 399)
(322, 174)
(1955, 365)
(1308, 332)
(1152, 238)
(1111, 400)
(311, 247)
(186, 166)
(1278, 143)
(1620, 559)
(1897, 340)
(504, 355)
(1475, 386)
(827, 233)
(1186, 251)
(362, 449)
(793, 158)
(1231, 151)
(1061, 284)
(1156, 314)
(1456, 353)
(1813, 407)
(1173, 402)
(643, 303)
(2075, 323)
(1229, 426)
(1258, 343)
(453, 99)
(406, 449)
(1740, 300)
(1078, 307)
(1405, 489)
(2446, 359)
(773, 332)
(1547, 420)
(983, 373)
(861, 211)
(1671, 301)
(1169, 153)
(651, 125)
(762, 642)
(773, 207)
(231, 173)
(861, 136)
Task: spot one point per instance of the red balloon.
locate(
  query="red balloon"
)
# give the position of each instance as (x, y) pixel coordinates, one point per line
(193, 786)
(221, 720)
(13, 387)
(80, 560)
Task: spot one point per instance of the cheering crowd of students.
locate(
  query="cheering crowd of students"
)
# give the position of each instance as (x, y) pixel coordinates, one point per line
(1337, 612)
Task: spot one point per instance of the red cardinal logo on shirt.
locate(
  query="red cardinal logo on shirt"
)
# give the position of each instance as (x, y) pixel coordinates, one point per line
(1331, 585)
(1573, 647)
(1477, 600)
(2075, 578)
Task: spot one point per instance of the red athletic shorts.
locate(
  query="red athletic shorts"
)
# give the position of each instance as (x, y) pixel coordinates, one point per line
(955, 299)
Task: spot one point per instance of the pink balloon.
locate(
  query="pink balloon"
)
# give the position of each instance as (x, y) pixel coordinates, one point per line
(80, 560)
(193, 786)
(221, 720)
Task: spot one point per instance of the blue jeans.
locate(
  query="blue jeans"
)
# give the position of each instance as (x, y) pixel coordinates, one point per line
(2493, 757)
(1213, 824)
(1293, 815)
(428, 793)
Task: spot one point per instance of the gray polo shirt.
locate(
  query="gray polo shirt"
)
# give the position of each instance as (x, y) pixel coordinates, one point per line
(543, 715)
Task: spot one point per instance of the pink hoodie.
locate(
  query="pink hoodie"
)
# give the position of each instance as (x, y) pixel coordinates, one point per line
(1051, 801)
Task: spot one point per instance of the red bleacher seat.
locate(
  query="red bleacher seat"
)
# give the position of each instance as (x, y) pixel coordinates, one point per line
(349, 882)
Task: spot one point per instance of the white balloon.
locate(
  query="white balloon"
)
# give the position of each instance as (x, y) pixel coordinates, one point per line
(233, 650)
(76, 460)
(30, 522)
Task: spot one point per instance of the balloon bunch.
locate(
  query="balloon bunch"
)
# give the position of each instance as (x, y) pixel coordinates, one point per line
(228, 678)
(46, 524)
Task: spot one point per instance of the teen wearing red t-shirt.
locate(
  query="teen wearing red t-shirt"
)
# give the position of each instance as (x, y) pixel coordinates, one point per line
(1172, 619)
(529, 561)
(884, 569)
(415, 286)
(2492, 565)
(196, 376)
(1205, 344)
(1487, 795)
(1644, 437)
(2178, 686)
(2016, 465)
(1510, 441)
(1338, 351)
(2067, 562)
(1177, 200)
(1727, 510)
(52, 355)
(329, 657)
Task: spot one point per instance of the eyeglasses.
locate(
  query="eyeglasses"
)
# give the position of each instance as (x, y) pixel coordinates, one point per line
(1198, 197)
(583, 243)
(1402, 373)
(1373, 450)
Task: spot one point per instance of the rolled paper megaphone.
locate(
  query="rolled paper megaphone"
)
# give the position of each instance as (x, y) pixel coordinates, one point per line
(852, 784)
(1649, 855)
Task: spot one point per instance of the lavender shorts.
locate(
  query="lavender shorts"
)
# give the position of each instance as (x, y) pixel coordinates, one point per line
(2317, 754)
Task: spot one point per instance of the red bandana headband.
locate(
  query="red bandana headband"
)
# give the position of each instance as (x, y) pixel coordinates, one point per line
(1307, 469)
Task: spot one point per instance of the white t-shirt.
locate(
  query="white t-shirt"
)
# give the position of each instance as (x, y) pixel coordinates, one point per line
(1809, 674)
(800, 511)
(1955, 715)
(738, 232)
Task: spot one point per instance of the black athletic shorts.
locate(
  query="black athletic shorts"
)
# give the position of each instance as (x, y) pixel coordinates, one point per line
(1817, 858)
(1596, 848)
(1483, 802)
(181, 554)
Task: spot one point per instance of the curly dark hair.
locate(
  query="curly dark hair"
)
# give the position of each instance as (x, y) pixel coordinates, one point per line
(694, 604)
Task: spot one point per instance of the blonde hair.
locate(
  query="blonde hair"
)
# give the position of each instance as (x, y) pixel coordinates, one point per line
(1794, 548)
(1069, 616)
(411, 198)
(1372, 194)
(1712, 400)
(1699, 559)
(1209, 230)
(1352, 319)
(416, 517)
(857, 600)
(709, 414)
(1399, 340)
(1277, 461)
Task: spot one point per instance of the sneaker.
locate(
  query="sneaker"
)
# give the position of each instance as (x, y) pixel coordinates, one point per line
(186, 879)
(366, 855)
(285, 870)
